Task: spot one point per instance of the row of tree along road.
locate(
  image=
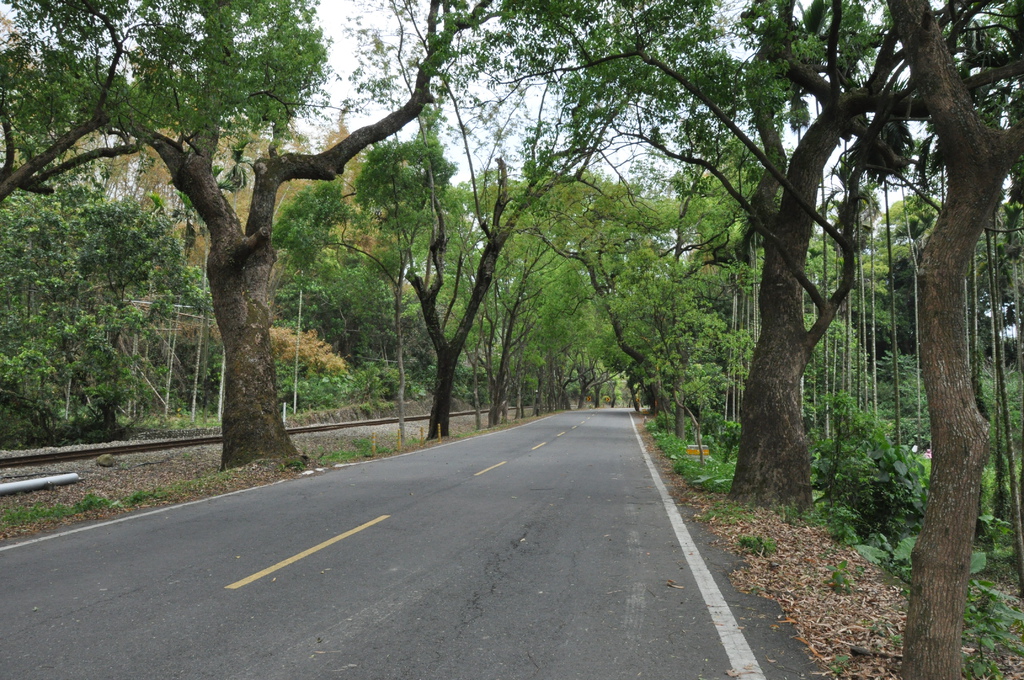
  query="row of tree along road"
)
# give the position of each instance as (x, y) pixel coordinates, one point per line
(667, 192)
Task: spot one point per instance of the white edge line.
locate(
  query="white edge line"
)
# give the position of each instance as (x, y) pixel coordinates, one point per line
(740, 656)
(139, 515)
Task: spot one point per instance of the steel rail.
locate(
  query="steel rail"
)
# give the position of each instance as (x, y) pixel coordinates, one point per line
(166, 444)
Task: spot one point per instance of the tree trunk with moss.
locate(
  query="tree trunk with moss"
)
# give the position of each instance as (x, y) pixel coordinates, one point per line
(252, 425)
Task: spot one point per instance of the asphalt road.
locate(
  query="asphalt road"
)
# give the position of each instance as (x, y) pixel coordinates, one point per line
(543, 551)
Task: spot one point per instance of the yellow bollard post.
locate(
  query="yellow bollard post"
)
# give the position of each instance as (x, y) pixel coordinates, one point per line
(399, 439)
(373, 444)
(439, 433)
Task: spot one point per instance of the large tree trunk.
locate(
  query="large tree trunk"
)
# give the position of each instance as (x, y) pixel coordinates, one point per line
(499, 396)
(773, 466)
(977, 162)
(400, 351)
(238, 268)
(251, 424)
(498, 379)
(942, 556)
(444, 383)
(680, 422)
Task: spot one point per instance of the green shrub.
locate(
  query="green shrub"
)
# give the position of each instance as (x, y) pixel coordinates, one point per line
(991, 623)
(722, 435)
(714, 475)
(758, 545)
(882, 485)
(841, 580)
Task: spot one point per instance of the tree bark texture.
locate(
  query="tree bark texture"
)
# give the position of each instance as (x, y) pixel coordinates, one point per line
(942, 555)
(977, 162)
(252, 426)
(238, 268)
(773, 465)
(444, 382)
(680, 421)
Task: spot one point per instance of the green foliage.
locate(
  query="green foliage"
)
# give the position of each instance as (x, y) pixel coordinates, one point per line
(896, 560)
(372, 384)
(840, 579)
(883, 486)
(715, 476)
(721, 436)
(310, 221)
(396, 178)
(194, 64)
(294, 464)
(82, 282)
(758, 545)
(345, 301)
(993, 526)
(726, 512)
(910, 429)
(19, 516)
(368, 448)
(992, 623)
(145, 497)
(841, 521)
(316, 393)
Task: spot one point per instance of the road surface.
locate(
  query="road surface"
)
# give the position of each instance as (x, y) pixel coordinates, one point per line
(543, 551)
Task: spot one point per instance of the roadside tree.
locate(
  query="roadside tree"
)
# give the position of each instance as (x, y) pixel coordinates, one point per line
(199, 72)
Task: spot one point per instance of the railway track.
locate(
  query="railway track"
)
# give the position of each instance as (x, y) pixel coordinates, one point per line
(165, 444)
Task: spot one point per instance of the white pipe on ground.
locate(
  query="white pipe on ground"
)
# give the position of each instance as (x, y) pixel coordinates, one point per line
(36, 484)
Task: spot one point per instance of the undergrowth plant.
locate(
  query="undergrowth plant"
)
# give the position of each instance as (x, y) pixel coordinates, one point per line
(871, 494)
(713, 475)
(991, 623)
(758, 545)
(883, 487)
(178, 491)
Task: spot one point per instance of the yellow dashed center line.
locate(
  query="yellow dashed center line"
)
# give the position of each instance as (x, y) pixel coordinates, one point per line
(538, 446)
(306, 553)
(559, 434)
(490, 468)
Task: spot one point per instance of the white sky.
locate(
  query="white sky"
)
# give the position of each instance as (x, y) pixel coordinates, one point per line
(335, 17)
